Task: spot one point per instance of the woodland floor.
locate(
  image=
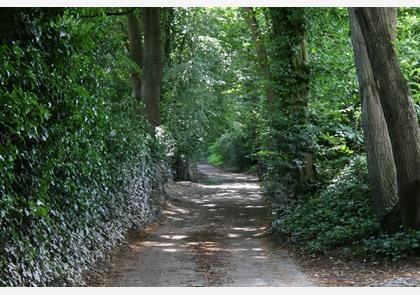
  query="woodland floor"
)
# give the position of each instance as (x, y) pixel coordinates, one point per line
(213, 233)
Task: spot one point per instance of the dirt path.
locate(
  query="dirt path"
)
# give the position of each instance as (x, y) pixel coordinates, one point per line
(212, 235)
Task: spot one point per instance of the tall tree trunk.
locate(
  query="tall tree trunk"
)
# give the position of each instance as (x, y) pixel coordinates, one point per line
(398, 108)
(301, 93)
(152, 64)
(168, 35)
(381, 166)
(136, 52)
(249, 16)
(289, 35)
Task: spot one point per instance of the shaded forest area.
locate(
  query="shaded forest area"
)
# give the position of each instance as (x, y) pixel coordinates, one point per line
(100, 107)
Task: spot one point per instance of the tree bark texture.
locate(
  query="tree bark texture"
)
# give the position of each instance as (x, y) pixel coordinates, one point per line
(152, 64)
(380, 160)
(249, 16)
(398, 108)
(136, 52)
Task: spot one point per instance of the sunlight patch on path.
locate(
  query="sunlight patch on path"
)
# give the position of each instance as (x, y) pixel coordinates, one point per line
(212, 235)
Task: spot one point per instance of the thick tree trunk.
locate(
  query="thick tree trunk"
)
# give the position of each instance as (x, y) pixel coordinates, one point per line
(381, 166)
(136, 52)
(249, 16)
(398, 108)
(152, 64)
(301, 94)
(289, 35)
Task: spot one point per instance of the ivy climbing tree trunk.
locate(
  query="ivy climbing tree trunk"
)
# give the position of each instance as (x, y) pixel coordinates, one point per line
(292, 73)
(380, 160)
(290, 53)
(152, 64)
(398, 108)
(168, 18)
(249, 16)
(136, 52)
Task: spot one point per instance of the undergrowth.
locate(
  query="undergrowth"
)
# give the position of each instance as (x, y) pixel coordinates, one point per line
(341, 217)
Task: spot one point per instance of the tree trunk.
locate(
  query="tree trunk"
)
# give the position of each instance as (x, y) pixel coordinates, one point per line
(183, 167)
(249, 16)
(152, 64)
(301, 93)
(169, 16)
(136, 52)
(398, 108)
(381, 166)
(289, 36)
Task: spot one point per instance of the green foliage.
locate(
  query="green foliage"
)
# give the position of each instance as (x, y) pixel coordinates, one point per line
(216, 154)
(232, 151)
(321, 219)
(288, 63)
(191, 101)
(407, 45)
(393, 247)
(77, 166)
(338, 215)
(195, 102)
(333, 132)
(335, 103)
(341, 216)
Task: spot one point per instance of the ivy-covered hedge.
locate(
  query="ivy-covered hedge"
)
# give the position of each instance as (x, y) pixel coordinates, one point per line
(77, 165)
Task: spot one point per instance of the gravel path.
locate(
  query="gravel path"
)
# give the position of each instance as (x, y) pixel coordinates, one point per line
(212, 234)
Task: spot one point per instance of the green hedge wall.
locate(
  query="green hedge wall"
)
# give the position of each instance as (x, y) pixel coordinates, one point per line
(77, 165)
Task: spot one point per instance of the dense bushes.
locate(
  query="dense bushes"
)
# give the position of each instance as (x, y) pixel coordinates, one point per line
(399, 245)
(341, 216)
(232, 151)
(77, 165)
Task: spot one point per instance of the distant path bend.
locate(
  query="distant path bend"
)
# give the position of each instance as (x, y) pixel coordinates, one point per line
(212, 235)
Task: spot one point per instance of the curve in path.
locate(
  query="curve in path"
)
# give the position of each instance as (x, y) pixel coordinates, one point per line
(212, 235)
